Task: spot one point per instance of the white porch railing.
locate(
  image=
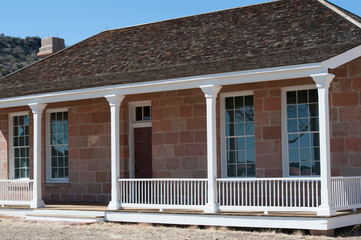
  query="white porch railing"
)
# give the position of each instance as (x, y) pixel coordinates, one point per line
(163, 193)
(345, 193)
(16, 192)
(265, 194)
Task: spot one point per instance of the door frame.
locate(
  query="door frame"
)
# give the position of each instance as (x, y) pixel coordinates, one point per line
(135, 124)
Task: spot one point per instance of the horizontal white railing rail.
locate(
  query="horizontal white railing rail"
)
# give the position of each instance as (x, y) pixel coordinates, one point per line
(163, 193)
(269, 194)
(16, 191)
(345, 193)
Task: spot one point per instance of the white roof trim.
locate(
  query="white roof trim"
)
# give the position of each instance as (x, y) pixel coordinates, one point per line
(249, 76)
(344, 15)
(343, 58)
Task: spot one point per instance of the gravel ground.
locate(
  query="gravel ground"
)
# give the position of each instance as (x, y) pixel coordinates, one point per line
(16, 228)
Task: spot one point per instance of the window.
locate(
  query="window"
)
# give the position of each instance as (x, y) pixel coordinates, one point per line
(238, 136)
(303, 144)
(19, 145)
(57, 145)
(143, 113)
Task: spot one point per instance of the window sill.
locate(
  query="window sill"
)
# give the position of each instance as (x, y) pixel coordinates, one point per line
(58, 181)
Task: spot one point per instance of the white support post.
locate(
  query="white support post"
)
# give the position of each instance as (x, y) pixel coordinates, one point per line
(114, 102)
(323, 83)
(37, 109)
(210, 92)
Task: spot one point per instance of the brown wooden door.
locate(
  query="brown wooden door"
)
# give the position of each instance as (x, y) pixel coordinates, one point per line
(143, 152)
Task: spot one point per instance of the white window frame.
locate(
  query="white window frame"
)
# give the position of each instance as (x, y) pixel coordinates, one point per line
(11, 144)
(136, 124)
(49, 179)
(223, 97)
(285, 160)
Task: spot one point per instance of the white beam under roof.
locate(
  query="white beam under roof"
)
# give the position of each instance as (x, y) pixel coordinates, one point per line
(249, 76)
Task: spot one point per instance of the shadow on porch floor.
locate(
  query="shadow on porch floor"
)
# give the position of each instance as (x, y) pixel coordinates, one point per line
(76, 206)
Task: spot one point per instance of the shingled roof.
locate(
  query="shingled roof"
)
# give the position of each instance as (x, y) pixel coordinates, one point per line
(279, 33)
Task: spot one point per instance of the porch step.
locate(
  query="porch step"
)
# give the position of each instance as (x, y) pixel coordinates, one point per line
(66, 216)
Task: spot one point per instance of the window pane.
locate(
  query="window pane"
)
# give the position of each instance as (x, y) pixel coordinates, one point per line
(302, 96)
(147, 113)
(249, 128)
(239, 116)
(59, 116)
(241, 170)
(230, 129)
(239, 102)
(305, 140)
(314, 124)
(53, 117)
(16, 120)
(294, 169)
(231, 144)
(313, 110)
(293, 140)
(17, 162)
(293, 155)
(249, 115)
(239, 129)
(231, 157)
(306, 168)
(229, 103)
(313, 96)
(230, 116)
(241, 144)
(241, 156)
(302, 110)
(231, 170)
(303, 125)
(251, 157)
(292, 111)
(54, 162)
(21, 120)
(291, 97)
(248, 101)
(65, 116)
(138, 113)
(305, 154)
(292, 126)
(315, 154)
(250, 143)
(251, 170)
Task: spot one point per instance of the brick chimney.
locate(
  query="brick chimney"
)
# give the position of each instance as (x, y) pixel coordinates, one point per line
(50, 45)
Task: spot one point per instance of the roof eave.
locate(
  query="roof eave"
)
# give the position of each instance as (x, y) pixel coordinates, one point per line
(342, 58)
(229, 78)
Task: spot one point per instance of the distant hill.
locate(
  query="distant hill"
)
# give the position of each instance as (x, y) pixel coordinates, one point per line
(16, 53)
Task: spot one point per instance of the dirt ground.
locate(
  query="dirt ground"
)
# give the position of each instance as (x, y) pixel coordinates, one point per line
(16, 228)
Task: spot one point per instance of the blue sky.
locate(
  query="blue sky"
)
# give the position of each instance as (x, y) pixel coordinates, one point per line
(76, 20)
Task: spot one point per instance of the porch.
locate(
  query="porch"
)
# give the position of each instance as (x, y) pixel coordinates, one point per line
(292, 195)
(70, 212)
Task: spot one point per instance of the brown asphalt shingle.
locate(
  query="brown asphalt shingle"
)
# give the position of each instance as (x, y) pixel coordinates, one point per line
(286, 32)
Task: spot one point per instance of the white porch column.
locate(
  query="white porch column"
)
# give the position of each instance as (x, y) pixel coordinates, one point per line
(323, 83)
(37, 109)
(210, 92)
(114, 102)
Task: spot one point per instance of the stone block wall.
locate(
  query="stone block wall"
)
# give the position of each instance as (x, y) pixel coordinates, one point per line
(179, 134)
(345, 117)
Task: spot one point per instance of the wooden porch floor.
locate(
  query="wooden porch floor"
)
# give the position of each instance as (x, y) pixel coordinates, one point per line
(104, 207)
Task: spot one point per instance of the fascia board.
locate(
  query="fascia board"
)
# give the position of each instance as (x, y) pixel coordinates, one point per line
(342, 58)
(250, 76)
